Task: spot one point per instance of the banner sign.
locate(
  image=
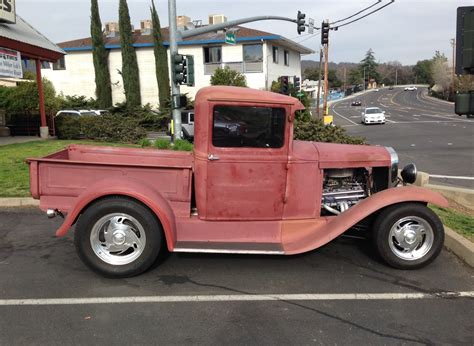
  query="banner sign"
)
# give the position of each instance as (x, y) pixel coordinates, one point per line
(10, 63)
(7, 11)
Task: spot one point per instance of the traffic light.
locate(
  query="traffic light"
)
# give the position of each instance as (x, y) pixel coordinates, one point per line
(465, 40)
(177, 61)
(284, 85)
(324, 33)
(189, 70)
(300, 22)
(297, 83)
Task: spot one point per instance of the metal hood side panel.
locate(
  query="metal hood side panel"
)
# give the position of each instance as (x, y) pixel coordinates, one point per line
(333, 155)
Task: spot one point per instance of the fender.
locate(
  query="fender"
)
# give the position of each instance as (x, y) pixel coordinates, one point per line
(302, 236)
(125, 187)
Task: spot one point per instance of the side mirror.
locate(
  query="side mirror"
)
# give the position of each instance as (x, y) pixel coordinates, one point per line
(383, 112)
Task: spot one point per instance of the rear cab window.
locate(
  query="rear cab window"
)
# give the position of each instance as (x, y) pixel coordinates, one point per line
(248, 127)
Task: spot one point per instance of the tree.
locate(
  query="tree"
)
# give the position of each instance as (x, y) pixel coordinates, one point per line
(423, 71)
(333, 81)
(441, 74)
(161, 61)
(355, 76)
(103, 88)
(130, 75)
(226, 76)
(369, 65)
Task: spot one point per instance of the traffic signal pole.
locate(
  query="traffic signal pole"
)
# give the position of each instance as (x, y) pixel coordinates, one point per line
(326, 82)
(176, 35)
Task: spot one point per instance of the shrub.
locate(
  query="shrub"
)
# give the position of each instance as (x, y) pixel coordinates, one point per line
(182, 145)
(314, 130)
(144, 142)
(162, 143)
(107, 128)
(226, 76)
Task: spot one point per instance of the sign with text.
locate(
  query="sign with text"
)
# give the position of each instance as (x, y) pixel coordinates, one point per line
(10, 63)
(230, 37)
(7, 11)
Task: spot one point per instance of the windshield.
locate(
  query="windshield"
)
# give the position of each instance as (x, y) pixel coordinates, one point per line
(373, 111)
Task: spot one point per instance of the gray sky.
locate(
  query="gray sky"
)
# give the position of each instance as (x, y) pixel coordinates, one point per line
(407, 30)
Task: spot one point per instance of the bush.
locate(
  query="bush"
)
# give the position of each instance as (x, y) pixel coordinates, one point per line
(182, 145)
(144, 142)
(162, 143)
(76, 102)
(314, 130)
(107, 128)
(226, 76)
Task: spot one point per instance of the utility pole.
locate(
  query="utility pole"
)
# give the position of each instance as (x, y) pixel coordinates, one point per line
(319, 82)
(396, 76)
(453, 44)
(364, 78)
(175, 92)
(344, 83)
(325, 41)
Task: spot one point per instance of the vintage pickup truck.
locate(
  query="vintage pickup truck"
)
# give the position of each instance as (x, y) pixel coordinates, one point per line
(247, 188)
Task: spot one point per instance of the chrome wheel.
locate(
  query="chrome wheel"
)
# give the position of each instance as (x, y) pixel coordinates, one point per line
(118, 239)
(411, 238)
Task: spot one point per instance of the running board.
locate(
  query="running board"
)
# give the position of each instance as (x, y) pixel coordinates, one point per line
(229, 248)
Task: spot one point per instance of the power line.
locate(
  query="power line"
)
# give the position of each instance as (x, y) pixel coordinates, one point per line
(307, 38)
(368, 14)
(355, 14)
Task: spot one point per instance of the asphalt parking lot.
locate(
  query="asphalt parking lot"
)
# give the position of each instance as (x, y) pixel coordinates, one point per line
(421, 129)
(340, 293)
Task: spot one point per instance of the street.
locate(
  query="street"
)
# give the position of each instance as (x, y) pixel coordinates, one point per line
(191, 296)
(421, 129)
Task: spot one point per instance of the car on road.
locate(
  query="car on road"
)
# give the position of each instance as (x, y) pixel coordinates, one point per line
(373, 115)
(265, 193)
(79, 113)
(410, 88)
(390, 87)
(187, 125)
(356, 103)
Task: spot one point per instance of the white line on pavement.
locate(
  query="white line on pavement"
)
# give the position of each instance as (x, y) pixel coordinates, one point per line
(349, 120)
(235, 298)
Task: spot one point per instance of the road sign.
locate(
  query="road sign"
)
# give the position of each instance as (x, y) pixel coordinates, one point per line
(230, 37)
(310, 26)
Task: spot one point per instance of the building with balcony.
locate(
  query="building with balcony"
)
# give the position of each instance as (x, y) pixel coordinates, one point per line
(261, 56)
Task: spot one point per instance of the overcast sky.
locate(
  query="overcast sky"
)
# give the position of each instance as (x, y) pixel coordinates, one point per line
(406, 31)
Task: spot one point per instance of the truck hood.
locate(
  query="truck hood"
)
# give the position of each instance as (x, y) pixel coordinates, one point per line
(333, 155)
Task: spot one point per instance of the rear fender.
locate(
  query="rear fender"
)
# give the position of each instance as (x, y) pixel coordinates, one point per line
(130, 188)
(313, 234)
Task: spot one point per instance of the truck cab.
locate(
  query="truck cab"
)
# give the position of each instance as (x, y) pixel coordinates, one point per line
(248, 187)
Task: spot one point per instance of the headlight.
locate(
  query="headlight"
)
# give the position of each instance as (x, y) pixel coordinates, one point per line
(409, 173)
(394, 164)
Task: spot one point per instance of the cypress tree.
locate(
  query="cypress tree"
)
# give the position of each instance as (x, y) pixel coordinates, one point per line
(130, 76)
(103, 89)
(161, 61)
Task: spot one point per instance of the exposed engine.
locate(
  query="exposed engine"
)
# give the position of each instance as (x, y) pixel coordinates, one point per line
(342, 188)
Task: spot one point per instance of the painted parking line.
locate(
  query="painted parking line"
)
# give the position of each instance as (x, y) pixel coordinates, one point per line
(236, 298)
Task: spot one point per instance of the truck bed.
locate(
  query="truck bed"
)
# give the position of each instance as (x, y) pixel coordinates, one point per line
(58, 179)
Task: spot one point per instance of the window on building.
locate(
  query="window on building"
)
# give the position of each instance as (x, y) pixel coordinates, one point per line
(275, 54)
(287, 58)
(60, 64)
(248, 127)
(212, 55)
(253, 53)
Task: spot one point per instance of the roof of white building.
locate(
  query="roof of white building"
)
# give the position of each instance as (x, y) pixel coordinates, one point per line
(243, 35)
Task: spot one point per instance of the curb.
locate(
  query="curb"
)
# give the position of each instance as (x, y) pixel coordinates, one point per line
(18, 202)
(460, 246)
(457, 244)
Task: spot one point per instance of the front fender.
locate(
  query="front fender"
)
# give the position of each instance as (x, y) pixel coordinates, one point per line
(132, 188)
(303, 236)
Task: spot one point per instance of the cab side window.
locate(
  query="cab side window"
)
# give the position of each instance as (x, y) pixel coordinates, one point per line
(248, 127)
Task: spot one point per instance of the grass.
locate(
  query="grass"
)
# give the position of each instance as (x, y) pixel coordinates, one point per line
(14, 173)
(459, 222)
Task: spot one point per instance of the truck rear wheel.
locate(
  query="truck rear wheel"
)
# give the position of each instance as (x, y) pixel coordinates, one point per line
(408, 235)
(118, 237)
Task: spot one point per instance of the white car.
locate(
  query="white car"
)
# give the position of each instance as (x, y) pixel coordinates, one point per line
(373, 115)
(410, 88)
(81, 112)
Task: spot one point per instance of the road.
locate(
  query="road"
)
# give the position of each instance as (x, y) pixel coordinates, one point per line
(192, 296)
(421, 129)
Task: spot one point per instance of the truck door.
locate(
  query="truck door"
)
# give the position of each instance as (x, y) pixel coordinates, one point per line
(247, 160)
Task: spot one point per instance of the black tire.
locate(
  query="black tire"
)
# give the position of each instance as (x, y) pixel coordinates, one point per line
(143, 221)
(387, 245)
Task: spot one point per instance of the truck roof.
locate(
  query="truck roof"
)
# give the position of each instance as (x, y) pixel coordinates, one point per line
(230, 93)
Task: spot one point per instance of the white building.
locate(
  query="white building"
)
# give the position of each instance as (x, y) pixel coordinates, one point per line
(261, 56)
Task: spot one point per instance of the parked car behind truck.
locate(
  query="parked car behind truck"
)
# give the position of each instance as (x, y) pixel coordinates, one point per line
(256, 191)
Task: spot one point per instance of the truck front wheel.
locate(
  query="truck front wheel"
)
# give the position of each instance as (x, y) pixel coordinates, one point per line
(118, 237)
(408, 235)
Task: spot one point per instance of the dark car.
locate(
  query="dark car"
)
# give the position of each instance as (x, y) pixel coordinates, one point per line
(390, 87)
(356, 103)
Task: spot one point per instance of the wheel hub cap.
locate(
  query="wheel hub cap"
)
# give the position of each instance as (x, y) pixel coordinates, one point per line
(411, 238)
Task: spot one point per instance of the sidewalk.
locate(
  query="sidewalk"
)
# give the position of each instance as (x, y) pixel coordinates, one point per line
(18, 139)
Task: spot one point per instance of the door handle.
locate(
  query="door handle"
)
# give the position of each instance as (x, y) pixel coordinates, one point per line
(212, 157)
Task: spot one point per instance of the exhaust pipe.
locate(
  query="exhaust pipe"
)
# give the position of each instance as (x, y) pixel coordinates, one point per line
(52, 213)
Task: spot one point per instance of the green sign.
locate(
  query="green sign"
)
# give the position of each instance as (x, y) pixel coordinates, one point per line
(230, 37)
